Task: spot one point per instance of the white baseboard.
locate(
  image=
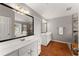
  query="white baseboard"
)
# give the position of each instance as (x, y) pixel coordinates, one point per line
(61, 41)
(69, 44)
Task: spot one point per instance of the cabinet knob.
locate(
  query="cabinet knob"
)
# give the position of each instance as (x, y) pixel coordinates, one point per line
(30, 52)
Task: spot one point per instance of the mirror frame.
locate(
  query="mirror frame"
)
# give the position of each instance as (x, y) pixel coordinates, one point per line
(3, 4)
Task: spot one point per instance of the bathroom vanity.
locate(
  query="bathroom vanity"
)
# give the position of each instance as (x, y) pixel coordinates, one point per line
(46, 38)
(26, 46)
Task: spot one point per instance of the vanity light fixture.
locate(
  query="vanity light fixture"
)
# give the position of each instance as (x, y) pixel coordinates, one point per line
(18, 7)
(27, 12)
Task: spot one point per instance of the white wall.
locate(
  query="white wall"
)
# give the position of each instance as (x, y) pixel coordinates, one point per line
(37, 25)
(66, 23)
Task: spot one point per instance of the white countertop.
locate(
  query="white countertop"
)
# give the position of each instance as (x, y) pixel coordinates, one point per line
(47, 33)
(12, 45)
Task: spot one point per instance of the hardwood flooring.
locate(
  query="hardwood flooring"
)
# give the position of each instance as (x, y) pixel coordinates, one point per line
(55, 49)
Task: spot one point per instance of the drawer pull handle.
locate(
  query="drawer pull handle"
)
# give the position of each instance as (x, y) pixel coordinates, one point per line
(22, 39)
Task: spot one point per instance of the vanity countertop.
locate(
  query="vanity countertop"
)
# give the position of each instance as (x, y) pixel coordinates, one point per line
(47, 33)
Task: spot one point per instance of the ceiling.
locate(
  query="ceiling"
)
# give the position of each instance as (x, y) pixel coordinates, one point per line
(53, 10)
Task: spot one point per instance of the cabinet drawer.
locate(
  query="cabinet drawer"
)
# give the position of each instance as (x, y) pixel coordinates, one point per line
(24, 51)
(29, 50)
(34, 49)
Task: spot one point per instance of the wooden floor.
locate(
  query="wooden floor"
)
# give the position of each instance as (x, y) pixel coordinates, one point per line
(55, 49)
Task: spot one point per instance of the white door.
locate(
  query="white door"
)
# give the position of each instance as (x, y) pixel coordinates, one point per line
(4, 28)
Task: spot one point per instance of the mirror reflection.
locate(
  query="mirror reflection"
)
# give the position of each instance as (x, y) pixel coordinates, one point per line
(23, 25)
(14, 24)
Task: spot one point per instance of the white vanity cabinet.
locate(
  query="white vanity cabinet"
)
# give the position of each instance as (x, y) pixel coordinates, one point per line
(29, 50)
(26, 46)
(39, 44)
(24, 51)
(34, 49)
(46, 38)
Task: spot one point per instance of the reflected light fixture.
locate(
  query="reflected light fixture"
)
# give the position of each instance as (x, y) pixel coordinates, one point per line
(44, 21)
(18, 7)
(68, 9)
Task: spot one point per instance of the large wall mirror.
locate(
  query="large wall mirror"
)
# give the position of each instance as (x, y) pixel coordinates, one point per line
(14, 23)
(44, 26)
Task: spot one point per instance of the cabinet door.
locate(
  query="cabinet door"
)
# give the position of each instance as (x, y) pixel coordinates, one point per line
(25, 51)
(34, 48)
(48, 38)
(14, 53)
(39, 44)
(44, 40)
(29, 50)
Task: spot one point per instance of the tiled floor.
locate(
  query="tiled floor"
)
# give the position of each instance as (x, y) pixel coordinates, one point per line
(55, 49)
